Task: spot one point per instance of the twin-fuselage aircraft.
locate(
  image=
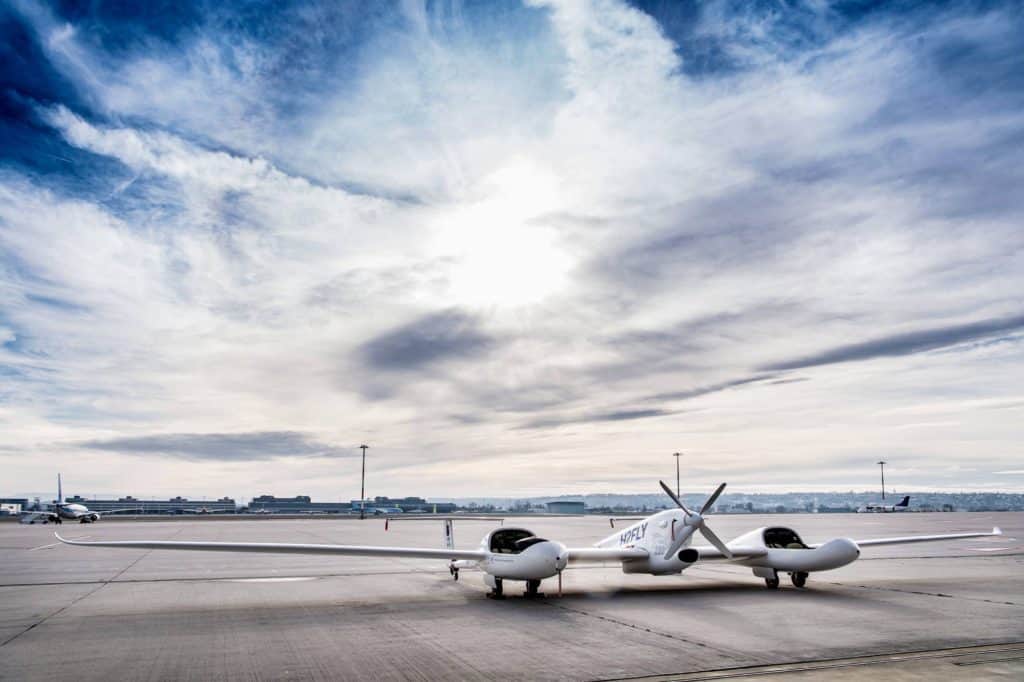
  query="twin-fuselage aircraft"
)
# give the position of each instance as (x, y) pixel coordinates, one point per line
(661, 544)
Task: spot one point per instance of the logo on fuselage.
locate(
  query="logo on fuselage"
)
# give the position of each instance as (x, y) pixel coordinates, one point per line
(633, 535)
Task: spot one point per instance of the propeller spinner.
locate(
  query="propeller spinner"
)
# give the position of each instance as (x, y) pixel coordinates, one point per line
(695, 522)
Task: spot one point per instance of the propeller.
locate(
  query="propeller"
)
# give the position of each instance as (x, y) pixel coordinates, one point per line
(695, 522)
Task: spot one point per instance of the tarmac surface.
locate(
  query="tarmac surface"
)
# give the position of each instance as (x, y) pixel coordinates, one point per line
(953, 609)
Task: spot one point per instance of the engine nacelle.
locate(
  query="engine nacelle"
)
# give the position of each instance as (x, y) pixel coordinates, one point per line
(658, 565)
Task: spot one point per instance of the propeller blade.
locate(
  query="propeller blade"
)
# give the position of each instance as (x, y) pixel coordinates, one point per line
(711, 500)
(674, 498)
(713, 539)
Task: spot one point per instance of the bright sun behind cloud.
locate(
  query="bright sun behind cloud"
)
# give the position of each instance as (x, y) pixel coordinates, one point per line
(502, 253)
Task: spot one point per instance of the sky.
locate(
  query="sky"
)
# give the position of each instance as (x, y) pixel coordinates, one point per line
(516, 248)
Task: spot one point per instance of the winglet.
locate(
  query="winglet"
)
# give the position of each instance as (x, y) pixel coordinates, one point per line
(68, 542)
(996, 530)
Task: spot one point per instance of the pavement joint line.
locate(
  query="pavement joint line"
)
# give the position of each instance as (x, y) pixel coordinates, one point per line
(640, 628)
(64, 608)
(887, 589)
(990, 660)
(833, 663)
(923, 593)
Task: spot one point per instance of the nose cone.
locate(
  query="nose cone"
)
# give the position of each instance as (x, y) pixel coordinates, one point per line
(844, 547)
(546, 559)
(562, 557)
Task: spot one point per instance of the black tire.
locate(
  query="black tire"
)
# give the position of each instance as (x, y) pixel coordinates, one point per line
(799, 579)
(772, 583)
(498, 588)
(532, 588)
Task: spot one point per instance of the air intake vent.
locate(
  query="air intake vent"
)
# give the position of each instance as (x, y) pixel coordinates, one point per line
(689, 555)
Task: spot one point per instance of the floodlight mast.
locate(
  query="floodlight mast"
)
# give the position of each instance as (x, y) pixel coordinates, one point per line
(362, 486)
(882, 465)
(677, 456)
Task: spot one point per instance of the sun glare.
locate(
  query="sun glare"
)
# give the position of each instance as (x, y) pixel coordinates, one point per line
(502, 253)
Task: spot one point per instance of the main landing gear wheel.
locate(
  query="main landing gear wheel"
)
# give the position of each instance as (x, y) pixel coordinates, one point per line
(455, 572)
(772, 583)
(496, 593)
(799, 579)
(532, 588)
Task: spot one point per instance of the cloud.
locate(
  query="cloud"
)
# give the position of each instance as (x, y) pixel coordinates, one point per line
(221, 447)
(691, 393)
(425, 225)
(434, 338)
(906, 343)
(596, 417)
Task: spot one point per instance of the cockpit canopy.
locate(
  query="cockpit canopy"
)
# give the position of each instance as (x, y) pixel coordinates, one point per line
(512, 540)
(783, 538)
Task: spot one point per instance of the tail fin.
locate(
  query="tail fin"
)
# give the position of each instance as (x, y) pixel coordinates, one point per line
(904, 502)
(449, 534)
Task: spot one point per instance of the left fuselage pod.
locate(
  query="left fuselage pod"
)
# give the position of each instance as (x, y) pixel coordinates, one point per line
(541, 560)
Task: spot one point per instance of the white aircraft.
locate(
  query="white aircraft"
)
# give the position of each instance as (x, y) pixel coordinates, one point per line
(660, 544)
(873, 507)
(61, 510)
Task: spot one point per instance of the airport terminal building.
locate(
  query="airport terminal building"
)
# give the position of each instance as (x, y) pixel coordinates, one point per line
(174, 505)
(303, 504)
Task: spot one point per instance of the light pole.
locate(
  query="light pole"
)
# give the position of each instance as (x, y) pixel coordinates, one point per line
(677, 455)
(882, 465)
(362, 487)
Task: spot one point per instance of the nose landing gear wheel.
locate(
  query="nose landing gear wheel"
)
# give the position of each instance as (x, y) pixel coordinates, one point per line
(455, 572)
(799, 579)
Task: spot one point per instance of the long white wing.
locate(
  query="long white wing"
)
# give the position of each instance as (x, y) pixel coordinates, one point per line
(923, 538)
(285, 548)
(596, 554)
(115, 511)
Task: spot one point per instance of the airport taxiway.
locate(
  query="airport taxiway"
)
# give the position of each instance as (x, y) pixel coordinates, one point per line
(917, 611)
